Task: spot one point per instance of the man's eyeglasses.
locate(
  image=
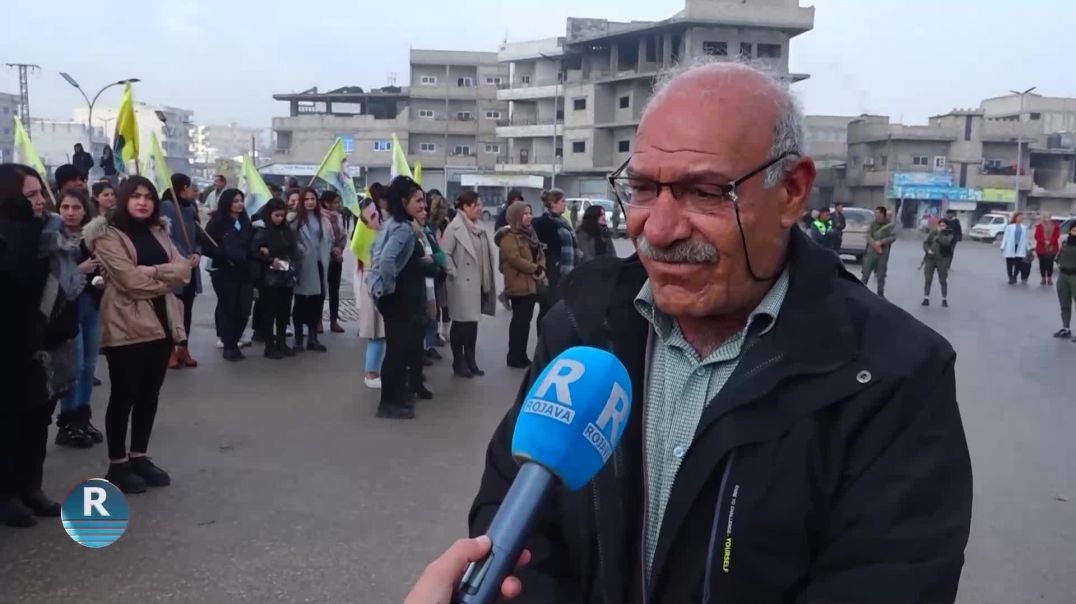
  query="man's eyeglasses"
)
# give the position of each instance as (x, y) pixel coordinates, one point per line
(704, 198)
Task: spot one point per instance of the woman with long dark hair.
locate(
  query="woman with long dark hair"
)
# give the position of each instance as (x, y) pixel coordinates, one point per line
(275, 248)
(233, 278)
(593, 234)
(471, 291)
(104, 197)
(330, 210)
(314, 235)
(108, 163)
(398, 283)
(141, 320)
(26, 407)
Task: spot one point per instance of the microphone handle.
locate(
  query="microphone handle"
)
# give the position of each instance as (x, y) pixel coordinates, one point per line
(508, 532)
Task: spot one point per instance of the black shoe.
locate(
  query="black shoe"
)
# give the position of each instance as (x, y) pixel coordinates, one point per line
(233, 355)
(282, 346)
(124, 478)
(40, 504)
(154, 476)
(520, 364)
(14, 513)
(86, 426)
(1064, 332)
(925, 302)
(473, 367)
(258, 337)
(70, 435)
(391, 411)
(460, 369)
(423, 393)
(316, 346)
(433, 354)
(299, 344)
(272, 352)
(945, 303)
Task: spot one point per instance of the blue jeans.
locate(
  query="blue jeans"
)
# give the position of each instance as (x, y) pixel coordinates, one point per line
(87, 345)
(429, 339)
(375, 353)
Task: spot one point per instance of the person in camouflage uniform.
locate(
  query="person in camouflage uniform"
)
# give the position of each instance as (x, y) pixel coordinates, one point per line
(938, 249)
(880, 238)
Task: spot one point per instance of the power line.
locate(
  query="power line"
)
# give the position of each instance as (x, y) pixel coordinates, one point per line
(24, 92)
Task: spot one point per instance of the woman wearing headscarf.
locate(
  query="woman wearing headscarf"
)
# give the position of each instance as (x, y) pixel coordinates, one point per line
(1047, 238)
(593, 234)
(233, 277)
(471, 291)
(314, 234)
(523, 265)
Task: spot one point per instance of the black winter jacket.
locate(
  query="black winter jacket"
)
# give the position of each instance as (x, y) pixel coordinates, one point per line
(234, 256)
(280, 242)
(832, 467)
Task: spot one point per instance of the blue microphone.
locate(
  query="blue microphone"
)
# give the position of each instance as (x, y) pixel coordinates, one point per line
(569, 424)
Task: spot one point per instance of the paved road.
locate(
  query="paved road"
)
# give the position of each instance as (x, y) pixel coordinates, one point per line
(286, 489)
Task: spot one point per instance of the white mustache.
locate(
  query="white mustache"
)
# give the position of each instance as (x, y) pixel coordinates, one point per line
(681, 252)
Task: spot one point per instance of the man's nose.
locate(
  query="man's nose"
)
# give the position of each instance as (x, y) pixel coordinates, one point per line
(667, 221)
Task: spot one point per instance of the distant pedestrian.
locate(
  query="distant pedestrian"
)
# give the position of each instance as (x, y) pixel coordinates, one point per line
(938, 250)
(291, 203)
(562, 253)
(839, 222)
(104, 197)
(502, 216)
(212, 196)
(371, 325)
(523, 265)
(1014, 248)
(108, 164)
(1066, 282)
(593, 235)
(330, 210)
(952, 224)
(141, 320)
(233, 277)
(187, 236)
(822, 229)
(880, 237)
(276, 251)
(1047, 240)
(471, 289)
(315, 238)
(83, 161)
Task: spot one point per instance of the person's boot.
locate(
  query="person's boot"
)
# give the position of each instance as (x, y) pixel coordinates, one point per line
(173, 360)
(469, 357)
(299, 346)
(150, 473)
(14, 512)
(70, 433)
(185, 358)
(459, 365)
(271, 350)
(315, 345)
(124, 478)
(422, 392)
(282, 346)
(84, 416)
(40, 504)
(336, 327)
(395, 411)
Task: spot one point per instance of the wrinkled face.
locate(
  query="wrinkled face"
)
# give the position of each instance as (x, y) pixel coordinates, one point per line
(278, 217)
(712, 126)
(140, 204)
(72, 212)
(31, 189)
(416, 204)
(293, 202)
(527, 216)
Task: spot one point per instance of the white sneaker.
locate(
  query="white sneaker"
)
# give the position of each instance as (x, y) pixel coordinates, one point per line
(374, 383)
(247, 343)
(220, 343)
(289, 331)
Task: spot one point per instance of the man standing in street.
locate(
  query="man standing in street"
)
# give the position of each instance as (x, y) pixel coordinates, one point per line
(938, 255)
(822, 229)
(210, 201)
(839, 223)
(792, 437)
(880, 237)
(83, 161)
(952, 225)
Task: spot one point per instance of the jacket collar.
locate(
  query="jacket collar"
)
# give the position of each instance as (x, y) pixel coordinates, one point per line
(464, 236)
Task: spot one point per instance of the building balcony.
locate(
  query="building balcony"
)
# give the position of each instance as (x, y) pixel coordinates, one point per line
(472, 126)
(868, 178)
(1001, 181)
(870, 132)
(533, 130)
(528, 168)
(530, 92)
(454, 92)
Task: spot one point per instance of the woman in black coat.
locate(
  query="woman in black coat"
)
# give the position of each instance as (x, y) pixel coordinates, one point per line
(275, 249)
(233, 277)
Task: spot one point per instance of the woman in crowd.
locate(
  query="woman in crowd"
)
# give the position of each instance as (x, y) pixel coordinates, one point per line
(441, 213)
(398, 284)
(26, 407)
(371, 325)
(314, 235)
(186, 236)
(471, 291)
(1014, 247)
(1066, 282)
(1047, 238)
(75, 428)
(523, 265)
(104, 197)
(593, 234)
(233, 274)
(292, 201)
(108, 164)
(562, 253)
(330, 210)
(275, 249)
(141, 320)
(433, 271)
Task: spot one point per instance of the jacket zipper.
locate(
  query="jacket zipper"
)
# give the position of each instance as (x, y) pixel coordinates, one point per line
(714, 526)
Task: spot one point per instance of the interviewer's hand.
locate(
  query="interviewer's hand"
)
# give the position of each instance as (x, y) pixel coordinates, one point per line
(437, 582)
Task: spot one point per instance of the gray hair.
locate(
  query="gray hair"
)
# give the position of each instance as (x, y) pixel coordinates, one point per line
(788, 131)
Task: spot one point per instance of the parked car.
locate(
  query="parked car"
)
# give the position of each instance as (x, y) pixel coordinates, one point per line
(578, 205)
(990, 228)
(854, 239)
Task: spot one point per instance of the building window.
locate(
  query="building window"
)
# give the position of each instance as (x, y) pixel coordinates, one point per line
(1034, 116)
(651, 49)
(465, 82)
(623, 146)
(461, 150)
(464, 116)
(425, 113)
(883, 160)
(625, 102)
(427, 147)
(939, 162)
(382, 145)
(493, 115)
(579, 104)
(746, 50)
(920, 160)
(493, 149)
(717, 49)
(579, 147)
(769, 51)
(525, 79)
(558, 152)
(429, 80)
(493, 81)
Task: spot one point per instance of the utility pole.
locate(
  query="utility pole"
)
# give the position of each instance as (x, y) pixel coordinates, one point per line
(24, 93)
(556, 100)
(1019, 142)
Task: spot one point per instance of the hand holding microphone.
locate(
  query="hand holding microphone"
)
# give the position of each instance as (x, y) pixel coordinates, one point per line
(441, 576)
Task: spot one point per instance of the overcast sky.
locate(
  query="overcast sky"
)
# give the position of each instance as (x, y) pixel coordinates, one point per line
(224, 60)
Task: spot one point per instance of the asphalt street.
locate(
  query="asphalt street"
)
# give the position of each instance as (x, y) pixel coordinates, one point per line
(287, 489)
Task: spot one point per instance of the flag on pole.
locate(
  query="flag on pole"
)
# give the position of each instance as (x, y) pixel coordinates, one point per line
(157, 168)
(362, 242)
(418, 172)
(399, 160)
(25, 152)
(125, 143)
(257, 193)
(334, 171)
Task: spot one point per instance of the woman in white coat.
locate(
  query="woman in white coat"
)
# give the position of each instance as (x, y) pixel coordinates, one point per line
(1014, 246)
(471, 291)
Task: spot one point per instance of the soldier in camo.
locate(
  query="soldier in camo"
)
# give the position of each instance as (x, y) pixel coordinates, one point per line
(880, 238)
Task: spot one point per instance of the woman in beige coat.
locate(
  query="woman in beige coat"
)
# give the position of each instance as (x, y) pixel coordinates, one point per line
(141, 320)
(471, 291)
(523, 265)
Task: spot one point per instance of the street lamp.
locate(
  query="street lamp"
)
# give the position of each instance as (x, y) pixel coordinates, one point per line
(89, 118)
(1019, 140)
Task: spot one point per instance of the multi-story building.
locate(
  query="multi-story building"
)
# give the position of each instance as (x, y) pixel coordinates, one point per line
(827, 144)
(54, 140)
(575, 102)
(210, 143)
(9, 108)
(173, 126)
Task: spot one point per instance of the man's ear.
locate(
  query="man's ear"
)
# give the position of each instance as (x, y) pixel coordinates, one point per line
(798, 181)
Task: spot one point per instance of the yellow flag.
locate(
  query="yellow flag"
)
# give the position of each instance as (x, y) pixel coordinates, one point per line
(399, 160)
(125, 142)
(334, 171)
(157, 168)
(26, 154)
(257, 193)
(418, 173)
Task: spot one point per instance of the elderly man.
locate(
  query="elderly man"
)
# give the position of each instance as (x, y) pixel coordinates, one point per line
(793, 438)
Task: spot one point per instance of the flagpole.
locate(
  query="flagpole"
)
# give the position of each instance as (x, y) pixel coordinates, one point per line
(322, 164)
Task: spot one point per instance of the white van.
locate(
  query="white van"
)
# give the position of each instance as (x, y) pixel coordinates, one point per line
(990, 227)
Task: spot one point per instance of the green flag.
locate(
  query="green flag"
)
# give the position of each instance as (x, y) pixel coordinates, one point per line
(399, 160)
(157, 168)
(334, 171)
(25, 149)
(257, 193)
(125, 142)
